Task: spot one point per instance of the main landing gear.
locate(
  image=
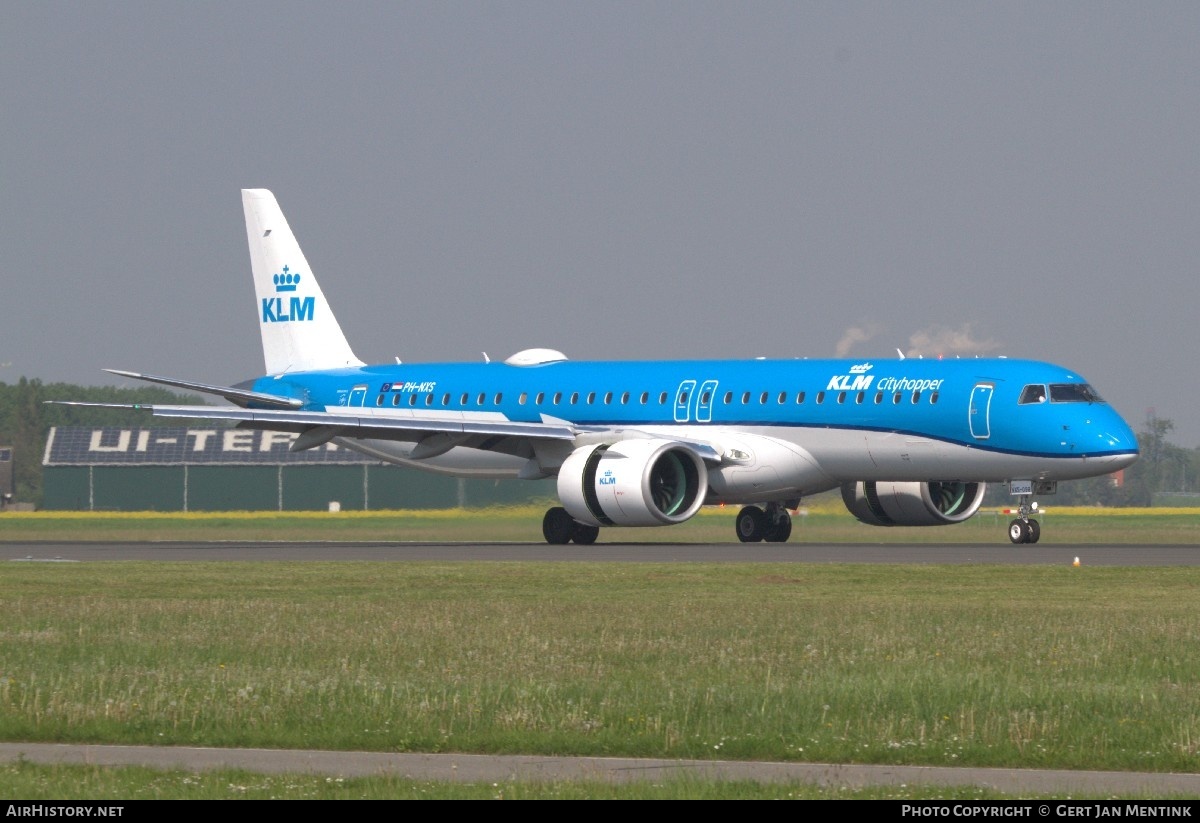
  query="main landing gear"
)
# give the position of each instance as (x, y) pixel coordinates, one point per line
(773, 525)
(559, 528)
(1025, 529)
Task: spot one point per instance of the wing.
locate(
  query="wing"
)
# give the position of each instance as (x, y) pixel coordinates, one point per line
(356, 423)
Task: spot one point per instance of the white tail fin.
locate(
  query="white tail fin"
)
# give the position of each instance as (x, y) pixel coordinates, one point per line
(299, 332)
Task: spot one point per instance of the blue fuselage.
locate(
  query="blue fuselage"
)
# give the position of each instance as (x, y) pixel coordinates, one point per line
(978, 419)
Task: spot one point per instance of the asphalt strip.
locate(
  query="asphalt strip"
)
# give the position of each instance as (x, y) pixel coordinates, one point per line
(499, 768)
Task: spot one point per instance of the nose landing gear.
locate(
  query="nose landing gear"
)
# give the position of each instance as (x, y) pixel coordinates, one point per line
(1024, 529)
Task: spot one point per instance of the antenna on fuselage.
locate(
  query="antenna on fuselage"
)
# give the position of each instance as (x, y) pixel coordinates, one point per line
(900, 353)
(486, 359)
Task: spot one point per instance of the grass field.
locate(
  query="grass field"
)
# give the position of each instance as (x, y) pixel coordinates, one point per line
(1084, 668)
(36, 783)
(1000, 666)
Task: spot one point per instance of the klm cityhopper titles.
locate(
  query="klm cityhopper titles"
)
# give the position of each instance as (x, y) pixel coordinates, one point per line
(908, 442)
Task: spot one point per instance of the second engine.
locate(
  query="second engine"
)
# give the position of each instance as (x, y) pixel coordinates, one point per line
(912, 504)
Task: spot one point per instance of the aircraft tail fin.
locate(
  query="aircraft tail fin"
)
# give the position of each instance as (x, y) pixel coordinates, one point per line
(299, 331)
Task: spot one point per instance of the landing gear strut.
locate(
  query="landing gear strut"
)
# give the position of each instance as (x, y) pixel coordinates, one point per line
(559, 528)
(773, 525)
(1024, 529)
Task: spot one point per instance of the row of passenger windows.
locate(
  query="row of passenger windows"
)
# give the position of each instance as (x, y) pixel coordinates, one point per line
(706, 398)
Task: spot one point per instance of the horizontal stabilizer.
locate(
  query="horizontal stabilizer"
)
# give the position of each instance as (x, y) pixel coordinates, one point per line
(240, 397)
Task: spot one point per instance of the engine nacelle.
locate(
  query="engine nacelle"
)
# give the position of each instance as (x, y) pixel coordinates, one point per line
(633, 483)
(912, 504)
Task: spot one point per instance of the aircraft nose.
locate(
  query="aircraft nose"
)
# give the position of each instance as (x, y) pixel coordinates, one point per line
(1118, 440)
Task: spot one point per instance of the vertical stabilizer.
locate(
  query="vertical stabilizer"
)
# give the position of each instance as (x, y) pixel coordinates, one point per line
(299, 332)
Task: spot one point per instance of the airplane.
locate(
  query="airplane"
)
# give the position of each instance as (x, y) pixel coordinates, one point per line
(910, 442)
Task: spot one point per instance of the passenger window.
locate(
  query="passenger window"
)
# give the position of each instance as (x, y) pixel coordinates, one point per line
(728, 397)
(429, 400)
(782, 397)
(896, 398)
(446, 399)
(820, 397)
(878, 397)
(607, 398)
(412, 400)
(706, 398)
(479, 400)
(557, 397)
(521, 399)
(841, 397)
(395, 400)
(591, 397)
(762, 399)
(574, 397)
(933, 398)
(464, 399)
(916, 396)
(799, 397)
(537, 401)
(645, 397)
(745, 397)
(379, 400)
(683, 398)
(662, 398)
(499, 397)
(860, 397)
(624, 398)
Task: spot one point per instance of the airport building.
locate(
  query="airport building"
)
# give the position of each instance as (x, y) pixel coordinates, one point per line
(220, 469)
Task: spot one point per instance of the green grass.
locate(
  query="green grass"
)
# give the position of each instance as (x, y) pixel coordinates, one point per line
(1085, 668)
(32, 782)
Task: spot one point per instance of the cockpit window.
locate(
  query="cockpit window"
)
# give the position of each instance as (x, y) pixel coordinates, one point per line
(1073, 393)
(1035, 393)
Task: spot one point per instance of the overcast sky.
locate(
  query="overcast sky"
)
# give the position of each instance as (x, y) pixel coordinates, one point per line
(615, 180)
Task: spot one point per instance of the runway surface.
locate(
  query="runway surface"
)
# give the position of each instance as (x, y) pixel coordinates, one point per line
(999, 553)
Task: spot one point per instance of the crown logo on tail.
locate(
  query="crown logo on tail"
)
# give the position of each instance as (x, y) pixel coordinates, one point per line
(286, 281)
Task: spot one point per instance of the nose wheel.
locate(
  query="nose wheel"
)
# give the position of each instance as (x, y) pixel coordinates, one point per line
(1024, 529)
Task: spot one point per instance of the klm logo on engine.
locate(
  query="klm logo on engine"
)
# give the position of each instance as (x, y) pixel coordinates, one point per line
(857, 380)
(295, 309)
(608, 479)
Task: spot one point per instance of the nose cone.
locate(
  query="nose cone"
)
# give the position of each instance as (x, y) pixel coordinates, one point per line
(1117, 444)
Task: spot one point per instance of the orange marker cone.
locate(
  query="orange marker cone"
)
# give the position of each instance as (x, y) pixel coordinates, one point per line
(1076, 563)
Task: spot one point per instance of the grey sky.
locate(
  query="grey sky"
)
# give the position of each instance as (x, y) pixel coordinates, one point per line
(615, 180)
